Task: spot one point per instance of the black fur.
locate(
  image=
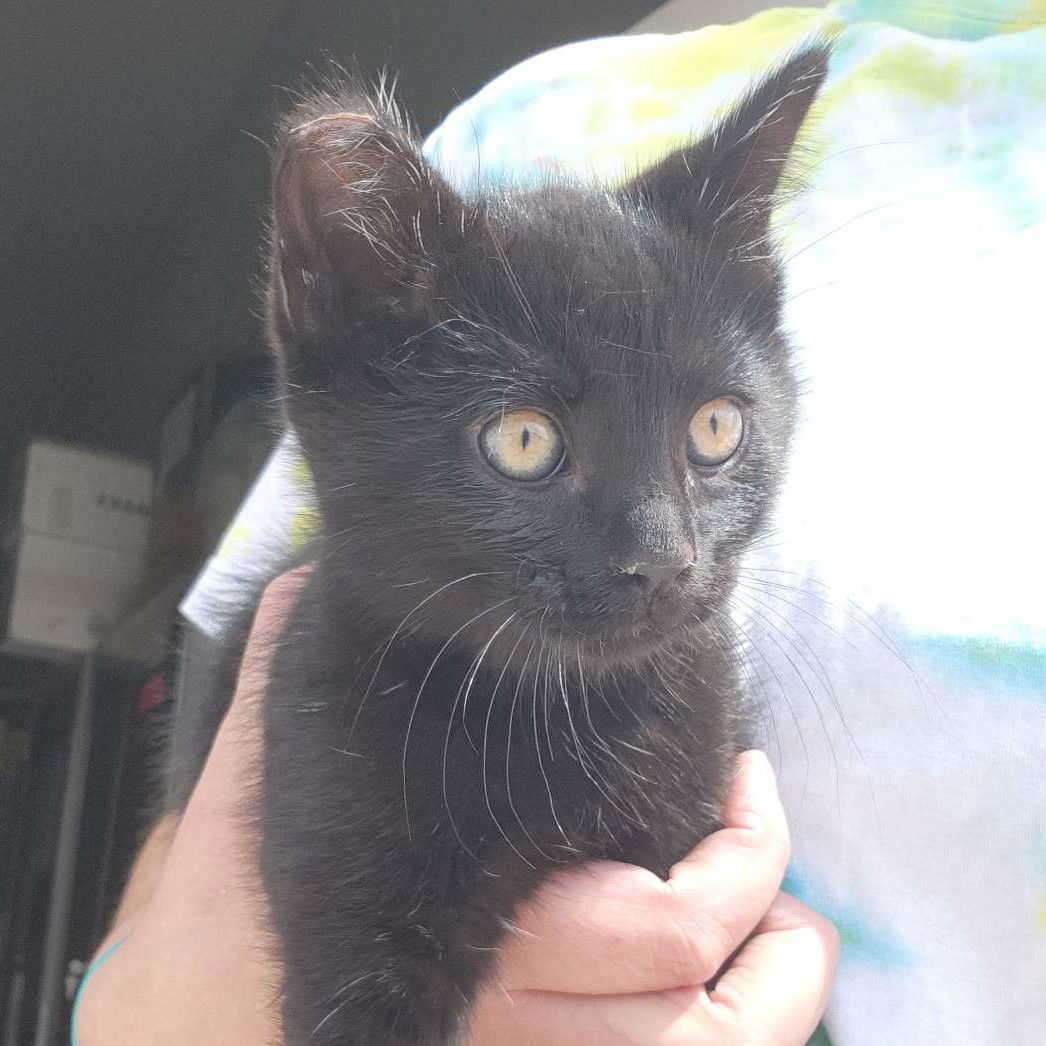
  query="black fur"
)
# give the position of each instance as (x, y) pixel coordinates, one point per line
(473, 690)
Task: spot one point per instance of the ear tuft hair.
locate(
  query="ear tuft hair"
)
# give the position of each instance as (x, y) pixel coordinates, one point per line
(358, 216)
(725, 185)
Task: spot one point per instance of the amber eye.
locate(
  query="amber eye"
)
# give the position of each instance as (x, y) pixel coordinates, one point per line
(522, 444)
(715, 432)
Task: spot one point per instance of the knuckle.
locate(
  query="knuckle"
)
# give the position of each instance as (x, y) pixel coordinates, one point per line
(734, 1024)
(767, 841)
(737, 1026)
(692, 948)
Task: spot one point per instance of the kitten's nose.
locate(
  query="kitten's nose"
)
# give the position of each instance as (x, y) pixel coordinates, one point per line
(657, 568)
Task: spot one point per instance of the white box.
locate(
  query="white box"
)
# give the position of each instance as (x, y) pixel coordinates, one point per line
(79, 547)
(85, 495)
(67, 594)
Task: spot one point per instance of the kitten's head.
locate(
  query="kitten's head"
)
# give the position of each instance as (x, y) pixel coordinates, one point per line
(559, 412)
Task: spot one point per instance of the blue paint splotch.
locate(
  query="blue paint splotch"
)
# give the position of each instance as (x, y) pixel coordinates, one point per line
(862, 941)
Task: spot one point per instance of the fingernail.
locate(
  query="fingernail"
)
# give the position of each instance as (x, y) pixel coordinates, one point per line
(759, 786)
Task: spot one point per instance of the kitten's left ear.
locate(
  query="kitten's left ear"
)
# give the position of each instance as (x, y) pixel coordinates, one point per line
(724, 185)
(360, 222)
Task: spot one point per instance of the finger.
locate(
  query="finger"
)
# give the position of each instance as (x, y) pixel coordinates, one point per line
(548, 1018)
(207, 856)
(599, 928)
(274, 606)
(773, 994)
(202, 934)
(776, 988)
(608, 927)
(239, 736)
(727, 883)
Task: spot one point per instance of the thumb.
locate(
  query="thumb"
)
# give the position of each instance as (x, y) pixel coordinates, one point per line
(232, 761)
(608, 927)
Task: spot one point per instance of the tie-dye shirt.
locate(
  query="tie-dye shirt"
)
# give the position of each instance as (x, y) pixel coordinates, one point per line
(897, 615)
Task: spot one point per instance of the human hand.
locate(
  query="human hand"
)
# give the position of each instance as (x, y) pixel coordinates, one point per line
(609, 953)
(194, 965)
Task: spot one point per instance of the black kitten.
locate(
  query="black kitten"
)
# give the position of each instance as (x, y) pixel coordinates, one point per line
(543, 427)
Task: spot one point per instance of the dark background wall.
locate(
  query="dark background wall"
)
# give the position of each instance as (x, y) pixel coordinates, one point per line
(132, 190)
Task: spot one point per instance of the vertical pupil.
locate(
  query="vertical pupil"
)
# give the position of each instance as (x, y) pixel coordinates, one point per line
(524, 437)
(713, 424)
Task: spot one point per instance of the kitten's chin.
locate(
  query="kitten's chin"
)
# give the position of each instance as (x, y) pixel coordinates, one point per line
(620, 639)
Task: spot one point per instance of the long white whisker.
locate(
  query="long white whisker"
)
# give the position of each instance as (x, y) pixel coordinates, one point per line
(471, 677)
(592, 726)
(537, 742)
(508, 756)
(421, 689)
(399, 628)
(752, 647)
(586, 764)
(486, 736)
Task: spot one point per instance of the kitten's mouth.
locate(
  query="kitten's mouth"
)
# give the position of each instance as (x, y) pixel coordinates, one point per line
(625, 636)
(627, 619)
(609, 625)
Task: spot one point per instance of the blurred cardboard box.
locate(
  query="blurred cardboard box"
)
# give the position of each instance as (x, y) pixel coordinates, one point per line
(76, 546)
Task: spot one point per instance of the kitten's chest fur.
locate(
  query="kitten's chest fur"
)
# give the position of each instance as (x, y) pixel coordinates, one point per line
(472, 786)
(542, 756)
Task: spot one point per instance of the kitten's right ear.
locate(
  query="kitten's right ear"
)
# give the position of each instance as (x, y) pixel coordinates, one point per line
(359, 223)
